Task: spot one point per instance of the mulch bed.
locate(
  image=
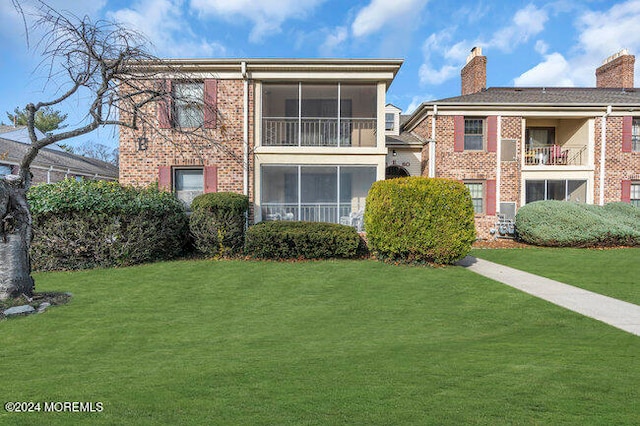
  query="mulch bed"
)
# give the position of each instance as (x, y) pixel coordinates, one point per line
(499, 243)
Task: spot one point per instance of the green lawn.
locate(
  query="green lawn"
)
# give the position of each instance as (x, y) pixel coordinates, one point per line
(613, 272)
(351, 342)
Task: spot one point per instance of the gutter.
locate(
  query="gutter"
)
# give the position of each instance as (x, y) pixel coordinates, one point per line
(603, 150)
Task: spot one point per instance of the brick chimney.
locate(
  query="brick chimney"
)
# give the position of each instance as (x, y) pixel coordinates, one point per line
(616, 71)
(474, 73)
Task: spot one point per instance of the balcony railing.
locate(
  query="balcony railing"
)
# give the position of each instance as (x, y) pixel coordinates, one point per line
(309, 212)
(320, 131)
(555, 155)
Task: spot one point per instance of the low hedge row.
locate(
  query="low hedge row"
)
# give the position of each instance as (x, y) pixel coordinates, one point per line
(303, 240)
(566, 224)
(418, 219)
(87, 224)
(217, 223)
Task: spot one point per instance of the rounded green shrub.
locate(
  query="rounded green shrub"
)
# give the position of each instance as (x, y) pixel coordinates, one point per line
(217, 222)
(418, 219)
(565, 224)
(87, 224)
(303, 240)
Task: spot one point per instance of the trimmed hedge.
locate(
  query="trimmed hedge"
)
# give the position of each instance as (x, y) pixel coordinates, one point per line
(303, 240)
(418, 219)
(566, 224)
(217, 222)
(87, 224)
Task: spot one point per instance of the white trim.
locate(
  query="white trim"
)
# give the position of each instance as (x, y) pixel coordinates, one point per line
(498, 160)
(603, 150)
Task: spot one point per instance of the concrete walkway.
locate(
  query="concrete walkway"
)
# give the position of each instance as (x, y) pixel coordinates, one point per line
(622, 315)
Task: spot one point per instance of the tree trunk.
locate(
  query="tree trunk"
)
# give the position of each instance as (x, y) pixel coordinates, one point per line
(15, 239)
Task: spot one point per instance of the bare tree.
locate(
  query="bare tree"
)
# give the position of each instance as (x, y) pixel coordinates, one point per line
(107, 63)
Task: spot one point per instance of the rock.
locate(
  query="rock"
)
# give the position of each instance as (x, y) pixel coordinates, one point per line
(18, 310)
(43, 306)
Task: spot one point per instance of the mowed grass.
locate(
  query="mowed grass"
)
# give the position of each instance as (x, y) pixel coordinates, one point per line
(352, 342)
(612, 272)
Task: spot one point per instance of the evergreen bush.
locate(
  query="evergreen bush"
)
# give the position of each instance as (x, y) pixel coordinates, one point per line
(418, 219)
(303, 240)
(87, 224)
(565, 224)
(217, 222)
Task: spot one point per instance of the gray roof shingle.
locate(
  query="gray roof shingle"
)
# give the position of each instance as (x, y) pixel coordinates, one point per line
(547, 96)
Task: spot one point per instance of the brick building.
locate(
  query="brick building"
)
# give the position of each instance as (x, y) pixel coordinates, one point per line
(304, 139)
(512, 146)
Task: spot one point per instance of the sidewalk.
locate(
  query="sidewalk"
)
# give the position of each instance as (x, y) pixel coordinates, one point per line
(622, 315)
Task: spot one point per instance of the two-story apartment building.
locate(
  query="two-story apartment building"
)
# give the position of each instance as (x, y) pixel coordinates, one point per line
(306, 138)
(513, 146)
(303, 138)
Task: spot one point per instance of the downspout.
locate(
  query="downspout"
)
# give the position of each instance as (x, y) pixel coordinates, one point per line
(245, 137)
(432, 144)
(603, 151)
(49, 174)
(498, 160)
(245, 131)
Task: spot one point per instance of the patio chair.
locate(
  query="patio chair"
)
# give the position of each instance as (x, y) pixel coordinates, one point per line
(558, 155)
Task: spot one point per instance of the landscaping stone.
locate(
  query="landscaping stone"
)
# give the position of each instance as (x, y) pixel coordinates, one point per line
(43, 306)
(19, 310)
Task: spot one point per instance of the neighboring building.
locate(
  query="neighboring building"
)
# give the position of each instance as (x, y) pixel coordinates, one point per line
(52, 164)
(513, 146)
(404, 157)
(303, 138)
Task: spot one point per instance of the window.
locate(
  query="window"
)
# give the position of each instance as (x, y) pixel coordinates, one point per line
(474, 134)
(5, 170)
(476, 189)
(540, 137)
(561, 190)
(635, 194)
(389, 120)
(635, 134)
(189, 104)
(188, 184)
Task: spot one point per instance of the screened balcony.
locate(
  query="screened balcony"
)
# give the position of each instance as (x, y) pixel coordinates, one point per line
(333, 194)
(319, 115)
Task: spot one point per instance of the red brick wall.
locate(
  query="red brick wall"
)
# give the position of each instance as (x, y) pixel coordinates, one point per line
(618, 165)
(223, 145)
(474, 75)
(616, 73)
(510, 188)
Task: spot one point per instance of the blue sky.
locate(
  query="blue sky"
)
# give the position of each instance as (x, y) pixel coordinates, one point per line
(527, 42)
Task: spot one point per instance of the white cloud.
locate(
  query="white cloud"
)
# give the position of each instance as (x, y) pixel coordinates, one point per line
(600, 34)
(163, 23)
(527, 22)
(429, 75)
(337, 37)
(266, 15)
(378, 13)
(554, 71)
(541, 47)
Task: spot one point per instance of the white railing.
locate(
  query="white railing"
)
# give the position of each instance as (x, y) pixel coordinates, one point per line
(319, 131)
(309, 212)
(556, 155)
